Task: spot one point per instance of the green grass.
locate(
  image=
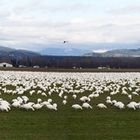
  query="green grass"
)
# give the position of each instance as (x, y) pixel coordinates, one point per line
(69, 124)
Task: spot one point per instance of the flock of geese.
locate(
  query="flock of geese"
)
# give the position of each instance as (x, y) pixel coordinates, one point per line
(76, 90)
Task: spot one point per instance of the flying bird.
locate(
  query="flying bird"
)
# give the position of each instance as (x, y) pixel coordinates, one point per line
(65, 42)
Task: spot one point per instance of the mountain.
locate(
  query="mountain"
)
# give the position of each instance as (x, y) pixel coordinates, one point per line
(5, 52)
(63, 51)
(117, 53)
(68, 51)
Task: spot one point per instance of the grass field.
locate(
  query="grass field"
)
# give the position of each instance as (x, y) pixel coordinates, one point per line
(70, 125)
(67, 123)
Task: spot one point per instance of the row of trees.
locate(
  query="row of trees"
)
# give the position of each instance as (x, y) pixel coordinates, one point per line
(70, 62)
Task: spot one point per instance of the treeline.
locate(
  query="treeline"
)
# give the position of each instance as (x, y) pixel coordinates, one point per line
(70, 62)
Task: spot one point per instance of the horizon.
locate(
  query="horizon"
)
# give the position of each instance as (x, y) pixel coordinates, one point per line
(68, 49)
(36, 25)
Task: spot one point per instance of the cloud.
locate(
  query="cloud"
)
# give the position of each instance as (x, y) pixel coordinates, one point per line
(100, 51)
(76, 7)
(128, 10)
(78, 31)
(34, 23)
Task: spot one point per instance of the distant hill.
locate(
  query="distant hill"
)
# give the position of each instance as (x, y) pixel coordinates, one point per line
(123, 58)
(5, 52)
(64, 51)
(117, 53)
(68, 51)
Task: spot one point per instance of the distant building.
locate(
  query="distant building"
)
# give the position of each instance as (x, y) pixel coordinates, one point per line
(102, 68)
(22, 66)
(4, 64)
(36, 67)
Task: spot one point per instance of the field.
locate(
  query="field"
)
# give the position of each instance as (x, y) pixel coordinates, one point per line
(69, 69)
(62, 122)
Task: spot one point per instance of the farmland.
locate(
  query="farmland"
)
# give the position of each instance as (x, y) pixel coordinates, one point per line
(40, 105)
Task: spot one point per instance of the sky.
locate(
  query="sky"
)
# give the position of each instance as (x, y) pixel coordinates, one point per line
(35, 24)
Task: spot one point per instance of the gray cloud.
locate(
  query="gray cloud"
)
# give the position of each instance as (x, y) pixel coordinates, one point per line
(32, 23)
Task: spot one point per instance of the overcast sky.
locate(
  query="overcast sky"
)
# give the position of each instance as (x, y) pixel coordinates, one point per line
(24, 23)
